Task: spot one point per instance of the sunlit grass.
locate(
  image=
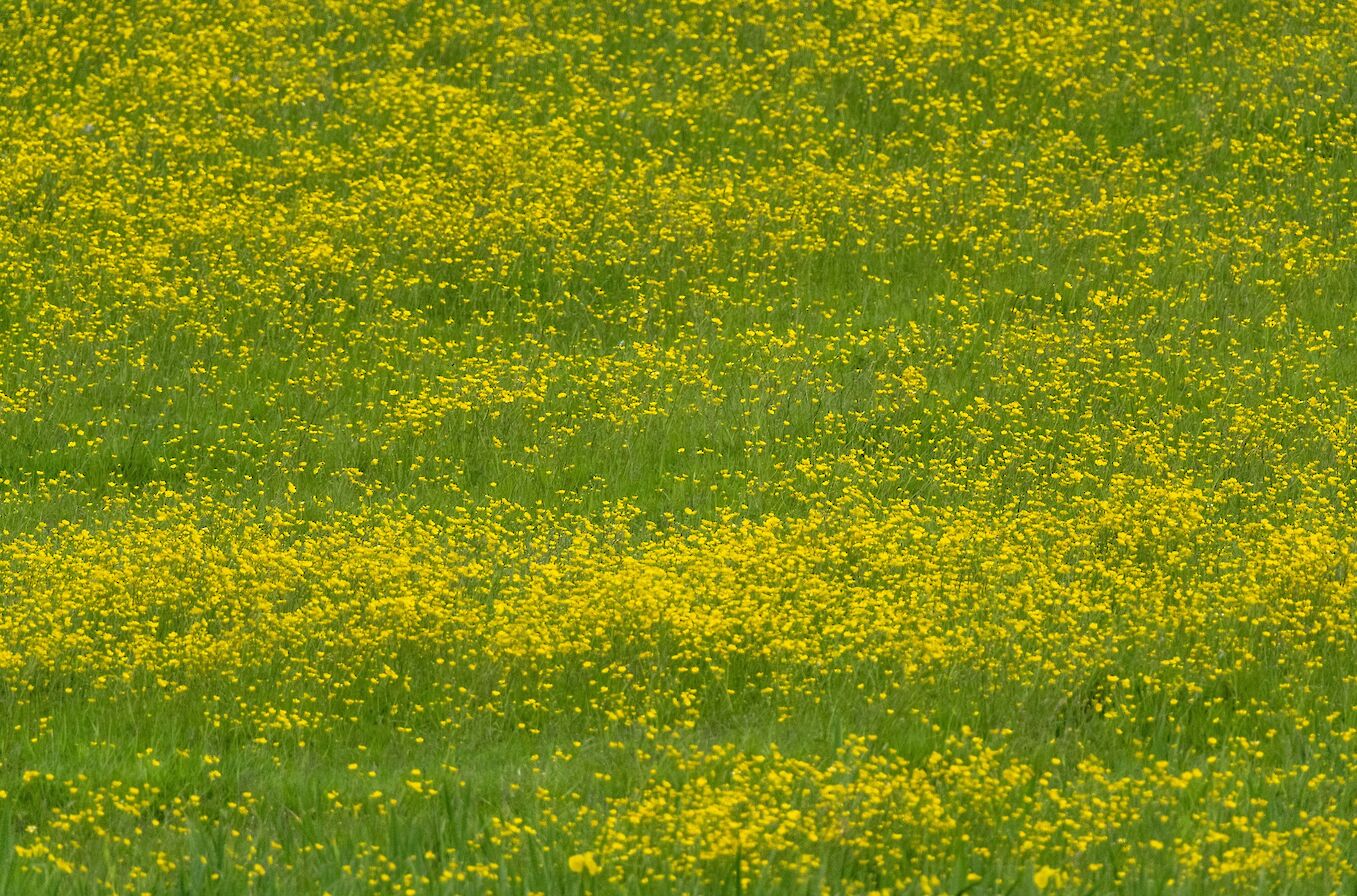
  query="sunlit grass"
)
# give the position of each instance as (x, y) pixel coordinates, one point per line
(694, 447)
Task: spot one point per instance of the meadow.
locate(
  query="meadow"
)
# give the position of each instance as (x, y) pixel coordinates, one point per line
(746, 447)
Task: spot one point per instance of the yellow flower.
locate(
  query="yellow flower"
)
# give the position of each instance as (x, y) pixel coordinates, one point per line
(584, 863)
(1045, 876)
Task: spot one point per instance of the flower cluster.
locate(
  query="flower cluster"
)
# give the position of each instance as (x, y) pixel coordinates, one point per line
(677, 446)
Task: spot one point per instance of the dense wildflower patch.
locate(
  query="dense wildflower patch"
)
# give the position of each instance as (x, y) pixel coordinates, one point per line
(671, 447)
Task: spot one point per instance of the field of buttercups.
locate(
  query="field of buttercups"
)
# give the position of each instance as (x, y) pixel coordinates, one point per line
(678, 447)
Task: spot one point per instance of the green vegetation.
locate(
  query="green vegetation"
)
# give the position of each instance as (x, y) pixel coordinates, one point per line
(702, 446)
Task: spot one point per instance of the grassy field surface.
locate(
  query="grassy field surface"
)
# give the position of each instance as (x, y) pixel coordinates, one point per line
(678, 446)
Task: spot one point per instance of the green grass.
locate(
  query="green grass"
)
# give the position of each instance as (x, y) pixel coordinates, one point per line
(771, 447)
